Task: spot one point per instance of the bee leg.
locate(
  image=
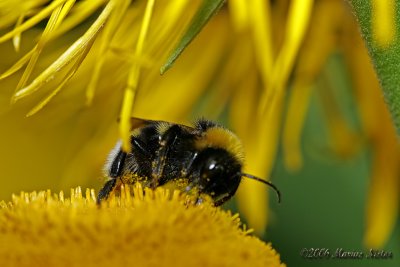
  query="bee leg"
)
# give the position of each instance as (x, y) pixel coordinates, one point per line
(221, 201)
(117, 165)
(139, 146)
(186, 169)
(106, 190)
(166, 141)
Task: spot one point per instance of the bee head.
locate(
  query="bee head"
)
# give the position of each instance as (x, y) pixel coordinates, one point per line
(217, 172)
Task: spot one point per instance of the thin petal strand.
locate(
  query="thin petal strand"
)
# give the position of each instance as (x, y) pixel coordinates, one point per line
(383, 22)
(68, 56)
(133, 79)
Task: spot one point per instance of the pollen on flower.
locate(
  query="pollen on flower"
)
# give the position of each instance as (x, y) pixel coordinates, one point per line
(137, 227)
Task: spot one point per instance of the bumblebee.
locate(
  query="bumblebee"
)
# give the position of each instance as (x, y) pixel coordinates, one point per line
(204, 160)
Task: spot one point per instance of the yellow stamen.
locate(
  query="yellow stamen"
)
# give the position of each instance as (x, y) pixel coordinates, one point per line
(45, 228)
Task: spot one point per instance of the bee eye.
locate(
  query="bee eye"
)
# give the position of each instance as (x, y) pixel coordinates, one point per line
(212, 165)
(212, 168)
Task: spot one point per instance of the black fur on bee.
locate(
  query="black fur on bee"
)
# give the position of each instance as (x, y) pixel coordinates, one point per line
(207, 157)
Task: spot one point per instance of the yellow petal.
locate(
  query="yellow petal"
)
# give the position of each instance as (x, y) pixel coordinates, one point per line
(18, 65)
(260, 15)
(318, 45)
(44, 13)
(383, 198)
(133, 80)
(296, 27)
(291, 139)
(17, 38)
(69, 75)
(104, 46)
(81, 11)
(72, 52)
(260, 139)
(239, 11)
(56, 17)
(383, 19)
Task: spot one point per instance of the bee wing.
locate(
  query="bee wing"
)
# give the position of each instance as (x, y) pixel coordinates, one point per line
(139, 123)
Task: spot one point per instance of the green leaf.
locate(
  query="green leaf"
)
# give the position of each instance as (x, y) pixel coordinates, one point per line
(200, 19)
(386, 60)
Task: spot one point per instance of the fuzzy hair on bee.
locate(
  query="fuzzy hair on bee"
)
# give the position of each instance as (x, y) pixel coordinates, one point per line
(204, 160)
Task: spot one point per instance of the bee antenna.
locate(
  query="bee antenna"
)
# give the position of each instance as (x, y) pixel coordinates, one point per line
(278, 193)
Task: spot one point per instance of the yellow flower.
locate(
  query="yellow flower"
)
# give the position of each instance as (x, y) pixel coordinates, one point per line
(139, 228)
(106, 55)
